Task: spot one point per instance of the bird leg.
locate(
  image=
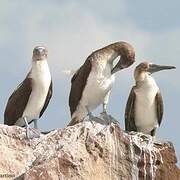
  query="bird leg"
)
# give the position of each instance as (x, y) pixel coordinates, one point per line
(35, 130)
(31, 133)
(27, 128)
(90, 115)
(93, 118)
(104, 108)
(35, 124)
(155, 141)
(108, 118)
(104, 114)
(106, 100)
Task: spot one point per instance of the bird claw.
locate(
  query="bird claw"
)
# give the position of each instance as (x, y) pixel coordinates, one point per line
(32, 133)
(113, 120)
(95, 119)
(108, 118)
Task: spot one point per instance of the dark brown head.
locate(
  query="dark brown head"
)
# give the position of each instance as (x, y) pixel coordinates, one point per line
(39, 53)
(127, 53)
(148, 68)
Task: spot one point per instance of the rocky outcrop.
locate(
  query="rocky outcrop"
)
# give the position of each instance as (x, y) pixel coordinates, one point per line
(85, 151)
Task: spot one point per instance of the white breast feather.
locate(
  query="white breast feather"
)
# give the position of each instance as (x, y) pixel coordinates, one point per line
(145, 107)
(41, 81)
(99, 83)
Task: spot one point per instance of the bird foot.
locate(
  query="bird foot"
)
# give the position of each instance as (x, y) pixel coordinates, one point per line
(95, 119)
(108, 118)
(92, 118)
(32, 133)
(113, 120)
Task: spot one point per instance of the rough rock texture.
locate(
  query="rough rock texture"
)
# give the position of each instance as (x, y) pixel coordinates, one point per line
(85, 152)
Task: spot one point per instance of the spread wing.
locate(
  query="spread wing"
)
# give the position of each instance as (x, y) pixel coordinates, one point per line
(130, 112)
(48, 97)
(17, 102)
(78, 83)
(159, 106)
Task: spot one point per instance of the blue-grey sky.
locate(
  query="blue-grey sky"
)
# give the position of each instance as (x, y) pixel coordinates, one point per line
(72, 30)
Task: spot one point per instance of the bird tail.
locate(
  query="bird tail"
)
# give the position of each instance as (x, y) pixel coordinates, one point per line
(69, 72)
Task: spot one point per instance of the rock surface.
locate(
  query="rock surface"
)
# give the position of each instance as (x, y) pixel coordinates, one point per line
(85, 152)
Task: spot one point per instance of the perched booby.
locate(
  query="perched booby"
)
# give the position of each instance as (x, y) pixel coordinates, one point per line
(31, 98)
(144, 109)
(92, 83)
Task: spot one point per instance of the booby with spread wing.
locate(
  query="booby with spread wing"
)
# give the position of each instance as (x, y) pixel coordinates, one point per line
(31, 98)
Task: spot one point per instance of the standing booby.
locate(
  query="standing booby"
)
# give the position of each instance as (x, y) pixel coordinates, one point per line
(31, 98)
(92, 83)
(144, 109)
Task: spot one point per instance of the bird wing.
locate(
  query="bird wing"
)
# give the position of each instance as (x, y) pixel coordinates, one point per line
(159, 106)
(48, 97)
(130, 112)
(17, 102)
(78, 83)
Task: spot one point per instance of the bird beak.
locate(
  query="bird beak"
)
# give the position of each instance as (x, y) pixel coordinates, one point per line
(122, 64)
(117, 67)
(155, 68)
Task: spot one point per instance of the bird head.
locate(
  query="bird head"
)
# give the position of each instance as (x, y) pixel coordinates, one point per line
(39, 53)
(147, 68)
(127, 56)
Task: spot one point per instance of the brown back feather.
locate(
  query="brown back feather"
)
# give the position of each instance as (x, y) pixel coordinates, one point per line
(17, 102)
(78, 83)
(159, 106)
(130, 112)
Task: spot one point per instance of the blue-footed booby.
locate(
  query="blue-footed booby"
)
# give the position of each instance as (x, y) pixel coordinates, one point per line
(92, 83)
(31, 98)
(144, 109)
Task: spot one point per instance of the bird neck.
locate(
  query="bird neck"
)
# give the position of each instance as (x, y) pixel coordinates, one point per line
(40, 65)
(108, 55)
(112, 51)
(144, 79)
